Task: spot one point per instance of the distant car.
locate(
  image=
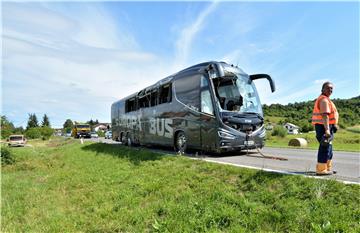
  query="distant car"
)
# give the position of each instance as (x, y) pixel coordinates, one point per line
(108, 135)
(94, 135)
(16, 140)
(68, 135)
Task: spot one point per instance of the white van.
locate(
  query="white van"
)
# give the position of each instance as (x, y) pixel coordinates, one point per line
(16, 140)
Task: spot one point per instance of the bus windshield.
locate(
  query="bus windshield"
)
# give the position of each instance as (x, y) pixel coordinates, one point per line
(236, 94)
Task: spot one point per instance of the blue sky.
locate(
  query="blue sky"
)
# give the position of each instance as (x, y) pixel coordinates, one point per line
(73, 60)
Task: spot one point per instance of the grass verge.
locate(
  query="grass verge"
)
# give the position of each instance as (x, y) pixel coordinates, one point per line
(69, 187)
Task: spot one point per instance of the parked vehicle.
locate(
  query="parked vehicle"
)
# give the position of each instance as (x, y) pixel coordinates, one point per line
(211, 106)
(94, 135)
(108, 135)
(16, 140)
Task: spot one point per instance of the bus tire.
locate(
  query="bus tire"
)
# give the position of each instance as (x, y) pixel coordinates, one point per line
(128, 140)
(180, 143)
(121, 138)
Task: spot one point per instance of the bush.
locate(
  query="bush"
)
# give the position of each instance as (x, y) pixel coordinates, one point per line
(39, 132)
(306, 127)
(101, 133)
(6, 156)
(46, 132)
(33, 133)
(279, 131)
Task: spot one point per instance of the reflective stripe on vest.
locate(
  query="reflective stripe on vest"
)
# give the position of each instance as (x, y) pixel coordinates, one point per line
(317, 115)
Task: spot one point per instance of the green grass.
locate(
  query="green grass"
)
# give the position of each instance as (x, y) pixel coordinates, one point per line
(344, 140)
(63, 186)
(354, 129)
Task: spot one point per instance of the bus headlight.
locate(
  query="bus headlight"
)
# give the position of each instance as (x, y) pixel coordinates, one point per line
(262, 134)
(226, 135)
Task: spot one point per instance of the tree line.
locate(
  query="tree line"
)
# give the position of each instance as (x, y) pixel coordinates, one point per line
(300, 113)
(33, 130)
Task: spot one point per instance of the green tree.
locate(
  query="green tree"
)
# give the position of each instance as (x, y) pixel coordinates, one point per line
(32, 122)
(92, 123)
(19, 130)
(7, 127)
(297, 113)
(45, 122)
(68, 125)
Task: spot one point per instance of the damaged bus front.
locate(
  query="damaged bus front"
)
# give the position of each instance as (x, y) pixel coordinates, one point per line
(238, 107)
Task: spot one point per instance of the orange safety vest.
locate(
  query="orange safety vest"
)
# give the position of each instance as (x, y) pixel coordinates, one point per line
(317, 115)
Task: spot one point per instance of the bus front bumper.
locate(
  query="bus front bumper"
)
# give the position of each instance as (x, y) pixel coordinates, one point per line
(240, 143)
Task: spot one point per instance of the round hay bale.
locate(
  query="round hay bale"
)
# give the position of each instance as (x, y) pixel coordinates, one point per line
(299, 142)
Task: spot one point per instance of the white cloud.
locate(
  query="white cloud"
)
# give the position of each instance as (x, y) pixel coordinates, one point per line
(320, 81)
(184, 42)
(70, 65)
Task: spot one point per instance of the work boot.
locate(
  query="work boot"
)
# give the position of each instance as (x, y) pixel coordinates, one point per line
(327, 173)
(322, 170)
(329, 166)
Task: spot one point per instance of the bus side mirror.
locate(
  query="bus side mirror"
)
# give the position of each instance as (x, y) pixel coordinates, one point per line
(260, 76)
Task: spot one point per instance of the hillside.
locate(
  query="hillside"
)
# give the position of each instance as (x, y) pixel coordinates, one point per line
(300, 113)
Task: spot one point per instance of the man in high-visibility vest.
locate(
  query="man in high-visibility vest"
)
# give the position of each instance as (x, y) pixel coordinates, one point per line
(325, 118)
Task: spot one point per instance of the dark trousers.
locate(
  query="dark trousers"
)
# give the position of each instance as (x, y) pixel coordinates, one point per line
(325, 152)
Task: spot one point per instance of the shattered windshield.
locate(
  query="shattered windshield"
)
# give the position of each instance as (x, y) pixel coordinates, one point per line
(235, 94)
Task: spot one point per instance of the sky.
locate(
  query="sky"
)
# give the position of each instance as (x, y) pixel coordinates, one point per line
(72, 60)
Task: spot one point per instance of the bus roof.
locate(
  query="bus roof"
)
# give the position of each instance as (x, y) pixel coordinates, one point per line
(199, 67)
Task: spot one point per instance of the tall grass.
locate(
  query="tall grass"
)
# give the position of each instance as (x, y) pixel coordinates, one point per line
(64, 186)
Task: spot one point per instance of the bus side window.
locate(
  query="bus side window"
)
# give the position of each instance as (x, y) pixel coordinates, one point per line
(142, 102)
(188, 90)
(206, 102)
(165, 94)
(153, 98)
(130, 105)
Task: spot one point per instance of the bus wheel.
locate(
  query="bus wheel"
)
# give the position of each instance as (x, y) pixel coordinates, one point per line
(128, 140)
(121, 138)
(180, 143)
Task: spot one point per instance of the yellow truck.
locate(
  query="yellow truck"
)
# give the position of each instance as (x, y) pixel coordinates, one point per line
(81, 130)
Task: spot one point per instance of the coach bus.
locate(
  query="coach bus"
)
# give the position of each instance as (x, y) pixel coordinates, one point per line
(212, 107)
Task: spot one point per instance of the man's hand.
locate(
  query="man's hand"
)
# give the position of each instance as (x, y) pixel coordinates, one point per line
(327, 133)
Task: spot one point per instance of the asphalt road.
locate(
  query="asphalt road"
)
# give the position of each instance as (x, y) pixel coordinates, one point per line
(298, 161)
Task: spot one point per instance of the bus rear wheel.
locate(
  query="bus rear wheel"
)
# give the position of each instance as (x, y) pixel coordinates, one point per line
(181, 143)
(128, 140)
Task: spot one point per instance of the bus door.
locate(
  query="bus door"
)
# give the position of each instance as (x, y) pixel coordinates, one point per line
(208, 120)
(187, 117)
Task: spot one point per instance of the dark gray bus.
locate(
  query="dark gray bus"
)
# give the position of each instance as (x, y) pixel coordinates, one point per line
(211, 106)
